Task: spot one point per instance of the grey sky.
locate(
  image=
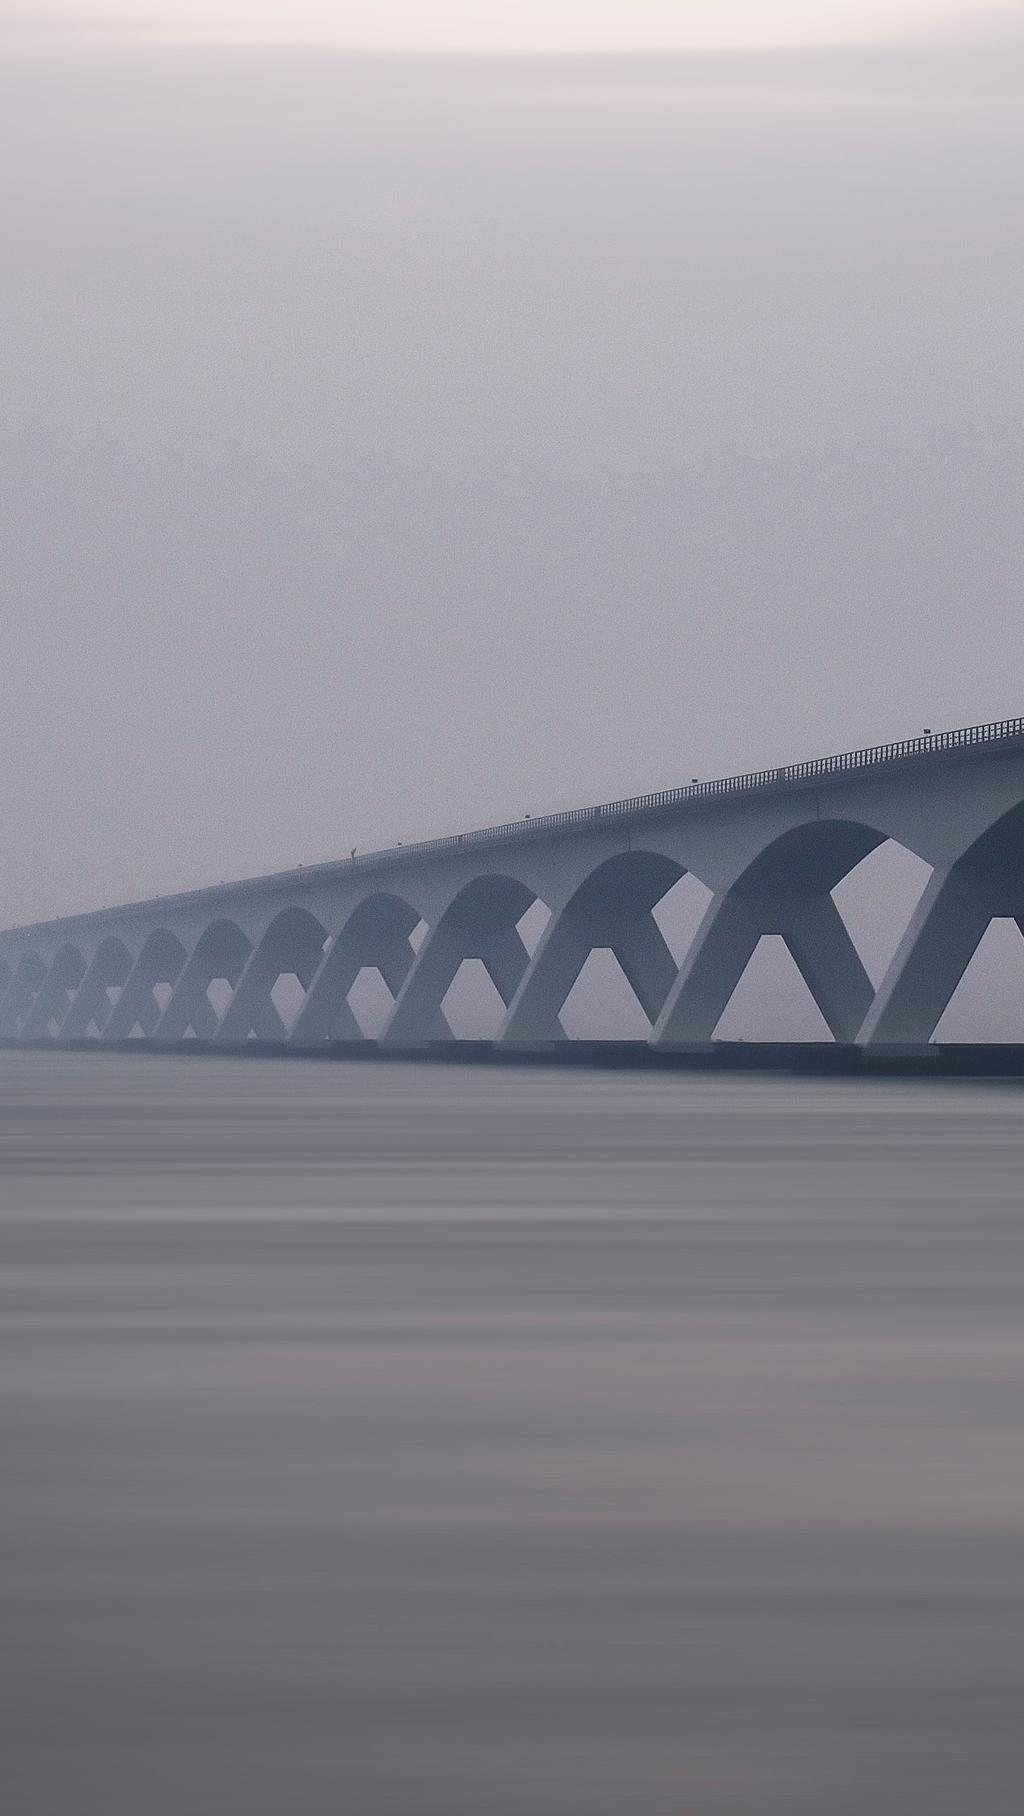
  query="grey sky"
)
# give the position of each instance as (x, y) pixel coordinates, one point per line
(521, 26)
(388, 448)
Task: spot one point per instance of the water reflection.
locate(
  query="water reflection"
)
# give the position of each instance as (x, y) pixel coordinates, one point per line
(393, 1440)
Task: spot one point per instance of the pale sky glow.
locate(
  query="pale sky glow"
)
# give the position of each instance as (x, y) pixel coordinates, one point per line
(523, 26)
(390, 447)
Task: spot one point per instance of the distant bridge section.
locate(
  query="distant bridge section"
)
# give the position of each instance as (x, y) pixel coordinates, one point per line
(770, 846)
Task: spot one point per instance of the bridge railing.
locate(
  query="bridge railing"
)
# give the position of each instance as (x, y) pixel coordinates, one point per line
(872, 757)
(875, 756)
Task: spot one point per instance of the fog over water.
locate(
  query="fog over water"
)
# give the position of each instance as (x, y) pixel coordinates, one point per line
(390, 1438)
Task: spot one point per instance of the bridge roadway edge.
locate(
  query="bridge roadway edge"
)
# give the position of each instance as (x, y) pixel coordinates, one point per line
(934, 1061)
(1000, 738)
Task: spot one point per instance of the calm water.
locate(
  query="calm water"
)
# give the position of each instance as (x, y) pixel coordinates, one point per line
(381, 1439)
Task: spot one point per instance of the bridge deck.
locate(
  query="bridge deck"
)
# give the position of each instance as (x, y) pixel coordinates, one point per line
(929, 748)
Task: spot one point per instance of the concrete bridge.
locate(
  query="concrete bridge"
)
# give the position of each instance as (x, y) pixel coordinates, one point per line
(771, 847)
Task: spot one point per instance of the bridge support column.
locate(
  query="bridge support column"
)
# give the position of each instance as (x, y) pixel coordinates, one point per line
(160, 962)
(375, 937)
(567, 942)
(717, 958)
(418, 1014)
(325, 1014)
(646, 959)
(189, 1007)
(293, 943)
(222, 951)
(932, 956)
(54, 998)
(111, 965)
(252, 1010)
(735, 922)
(29, 975)
(830, 965)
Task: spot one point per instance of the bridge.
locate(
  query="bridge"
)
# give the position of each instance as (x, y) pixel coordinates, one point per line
(770, 846)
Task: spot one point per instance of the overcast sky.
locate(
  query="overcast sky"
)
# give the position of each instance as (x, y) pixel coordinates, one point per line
(388, 448)
(501, 26)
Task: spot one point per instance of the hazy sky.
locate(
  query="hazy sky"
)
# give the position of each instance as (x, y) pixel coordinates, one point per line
(580, 26)
(387, 449)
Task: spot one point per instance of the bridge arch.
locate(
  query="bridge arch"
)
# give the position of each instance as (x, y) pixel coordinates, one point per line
(809, 859)
(222, 951)
(160, 961)
(27, 980)
(375, 937)
(629, 882)
(611, 908)
(379, 917)
(65, 974)
(984, 883)
(109, 968)
(785, 890)
(995, 860)
(480, 922)
(293, 944)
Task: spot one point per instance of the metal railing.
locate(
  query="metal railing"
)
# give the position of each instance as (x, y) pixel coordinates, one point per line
(875, 756)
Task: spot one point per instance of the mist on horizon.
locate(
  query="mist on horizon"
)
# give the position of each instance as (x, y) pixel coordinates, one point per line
(392, 448)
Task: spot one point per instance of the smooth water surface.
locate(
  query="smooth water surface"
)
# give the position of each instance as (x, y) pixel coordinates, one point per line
(384, 1439)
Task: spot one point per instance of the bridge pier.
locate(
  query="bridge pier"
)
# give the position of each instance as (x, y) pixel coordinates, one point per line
(947, 926)
(294, 942)
(110, 966)
(713, 966)
(26, 982)
(724, 944)
(160, 962)
(375, 937)
(55, 995)
(612, 908)
(944, 933)
(418, 1014)
(222, 951)
(481, 923)
(830, 965)
(564, 948)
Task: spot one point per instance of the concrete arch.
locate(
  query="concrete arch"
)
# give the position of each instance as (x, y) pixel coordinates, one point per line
(480, 922)
(785, 889)
(110, 966)
(65, 974)
(809, 859)
(985, 881)
(612, 907)
(628, 883)
(221, 951)
(376, 935)
(294, 942)
(26, 982)
(160, 961)
(995, 859)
